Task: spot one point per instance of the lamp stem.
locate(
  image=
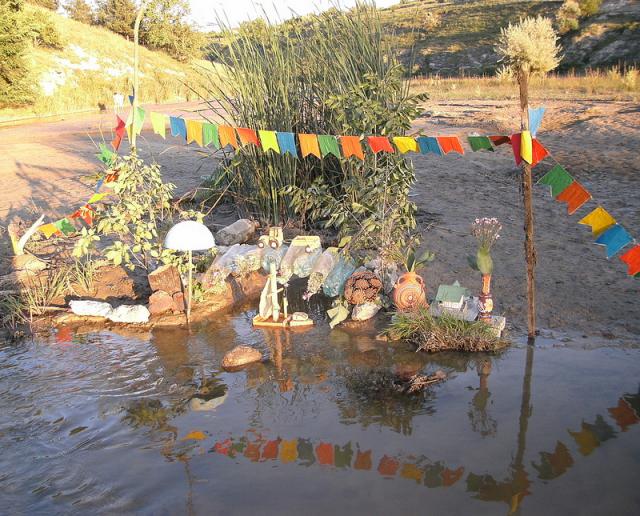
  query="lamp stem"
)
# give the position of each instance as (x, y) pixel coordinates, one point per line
(190, 286)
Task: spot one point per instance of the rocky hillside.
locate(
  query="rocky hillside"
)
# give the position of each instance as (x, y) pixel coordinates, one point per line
(450, 37)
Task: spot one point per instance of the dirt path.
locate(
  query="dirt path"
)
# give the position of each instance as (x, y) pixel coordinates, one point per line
(45, 168)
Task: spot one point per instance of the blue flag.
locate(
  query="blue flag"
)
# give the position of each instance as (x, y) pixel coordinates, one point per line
(287, 143)
(178, 127)
(614, 239)
(535, 120)
(429, 144)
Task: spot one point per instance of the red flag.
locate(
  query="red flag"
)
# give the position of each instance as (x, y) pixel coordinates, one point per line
(119, 129)
(515, 145)
(450, 144)
(632, 259)
(538, 152)
(379, 144)
(248, 136)
(499, 139)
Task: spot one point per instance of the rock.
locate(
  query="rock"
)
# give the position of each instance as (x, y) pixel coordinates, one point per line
(239, 356)
(237, 233)
(132, 314)
(90, 308)
(201, 405)
(364, 311)
(179, 303)
(161, 302)
(165, 278)
(26, 267)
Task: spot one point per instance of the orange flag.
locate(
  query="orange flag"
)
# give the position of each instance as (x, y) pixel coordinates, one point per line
(309, 145)
(632, 259)
(538, 152)
(248, 136)
(227, 136)
(575, 196)
(450, 144)
(351, 147)
(379, 144)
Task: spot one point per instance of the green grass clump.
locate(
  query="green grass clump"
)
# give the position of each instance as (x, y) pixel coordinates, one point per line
(445, 333)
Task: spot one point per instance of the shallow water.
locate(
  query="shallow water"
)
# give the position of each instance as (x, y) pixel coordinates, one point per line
(104, 422)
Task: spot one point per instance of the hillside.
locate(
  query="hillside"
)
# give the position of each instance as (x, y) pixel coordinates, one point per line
(450, 37)
(92, 65)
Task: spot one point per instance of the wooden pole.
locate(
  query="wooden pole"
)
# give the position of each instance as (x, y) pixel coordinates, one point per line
(136, 62)
(527, 188)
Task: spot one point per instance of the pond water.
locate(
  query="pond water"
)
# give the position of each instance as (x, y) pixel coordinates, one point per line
(149, 424)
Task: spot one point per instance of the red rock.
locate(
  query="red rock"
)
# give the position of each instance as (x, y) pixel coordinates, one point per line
(165, 278)
(160, 302)
(239, 356)
(179, 302)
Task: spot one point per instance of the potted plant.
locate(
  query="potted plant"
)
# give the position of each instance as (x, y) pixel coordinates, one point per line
(409, 291)
(487, 231)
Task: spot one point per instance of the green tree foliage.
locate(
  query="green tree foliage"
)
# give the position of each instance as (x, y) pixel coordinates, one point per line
(164, 27)
(41, 28)
(589, 7)
(79, 10)
(15, 86)
(117, 15)
(49, 4)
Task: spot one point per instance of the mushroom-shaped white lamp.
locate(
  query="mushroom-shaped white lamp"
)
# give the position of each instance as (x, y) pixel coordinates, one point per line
(189, 236)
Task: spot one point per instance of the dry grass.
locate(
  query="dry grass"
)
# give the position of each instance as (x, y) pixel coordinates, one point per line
(595, 84)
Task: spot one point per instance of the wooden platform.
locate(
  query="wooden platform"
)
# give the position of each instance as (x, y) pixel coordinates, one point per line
(281, 322)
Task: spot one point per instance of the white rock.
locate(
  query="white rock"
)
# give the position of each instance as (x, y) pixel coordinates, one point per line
(364, 311)
(130, 314)
(90, 308)
(200, 405)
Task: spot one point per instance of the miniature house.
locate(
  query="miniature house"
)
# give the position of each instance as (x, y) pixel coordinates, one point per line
(451, 297)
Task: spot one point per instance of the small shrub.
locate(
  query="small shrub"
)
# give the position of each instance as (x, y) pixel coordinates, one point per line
(630, 79)
(568, 16)
(42, 29)
(15, 82)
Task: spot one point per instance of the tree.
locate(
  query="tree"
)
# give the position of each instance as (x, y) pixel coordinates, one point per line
(49, 4)
(117, 15)
(15, 86)
(79, 10)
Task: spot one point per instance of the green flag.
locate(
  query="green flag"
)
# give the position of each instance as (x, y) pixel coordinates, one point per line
(328, 145)
(558, 179)
(159, 123)
(480, 142)
(106, 156)
(65, 226)
(210, 135)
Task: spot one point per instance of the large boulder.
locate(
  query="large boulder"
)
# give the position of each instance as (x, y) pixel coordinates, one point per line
(131, 314)
(240, 356)
(161, 302)
(166, 278)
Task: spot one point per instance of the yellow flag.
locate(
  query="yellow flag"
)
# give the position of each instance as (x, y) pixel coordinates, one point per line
(159, 123)
(96, 197)
(289, 451)
(526, 147)
(48, 229)
(599, 219)
(194, 131)
(269, 140)
(405, 144)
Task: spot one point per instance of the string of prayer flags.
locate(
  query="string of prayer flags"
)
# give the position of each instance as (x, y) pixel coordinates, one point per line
(132, 97)
(159, 123)
(309, 145)
(287, 143)
(405, 144)
(178, 127)
(379, 144)
(429, 144)
(614, 239)
(194, 131)
(269, 140)
(99, 184)
(535, 120)
(632, 259)
(227, 136)
(65, 226)
(328, 145)
(106, 156)
(500, 139)
(558, 179)
(478, 143)
(599, 219)
(538, 152)
(85, 213)
(210, 135)
(351, 147)
(48, 230)
(575, 195)
(135, 121)
(96, 197)
(526, 146)
(119, 130)
(450, 144)
(248, 136)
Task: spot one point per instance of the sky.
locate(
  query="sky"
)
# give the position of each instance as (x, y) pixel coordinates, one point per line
(203, 12)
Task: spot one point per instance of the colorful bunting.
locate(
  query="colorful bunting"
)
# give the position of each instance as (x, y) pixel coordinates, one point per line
(632, 259)
(227, 136)
(85, 213)
(178, 127)
(309, 145)
(269, 140)
(429, 144)
(210, 135)
(526, 146)
(450, 144)
(248, 136)
(96, 197)
(328, 145)
(575, 196)
(558, 179)
(479, 143)
(159, 123)
(65, 226)
(535, 120)
(135, 121)
(48, 230)
(106, 156)
(516, 143)
(379, 144)
(500, 139)
(119, 130)
(599, 219)
(351, 147)
(194, 131)
(99, 184)
(614, 239)
(538, 152)
(405, 144)
(287, 143)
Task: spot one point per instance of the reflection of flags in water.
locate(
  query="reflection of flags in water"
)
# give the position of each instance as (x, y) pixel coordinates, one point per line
(624, 414)
(592, 435)
(552, 465)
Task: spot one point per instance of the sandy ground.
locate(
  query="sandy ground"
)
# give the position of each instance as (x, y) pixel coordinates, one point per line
(46, 167)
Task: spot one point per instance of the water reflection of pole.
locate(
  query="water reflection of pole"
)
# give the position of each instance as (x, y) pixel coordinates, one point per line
(525, 408)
